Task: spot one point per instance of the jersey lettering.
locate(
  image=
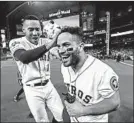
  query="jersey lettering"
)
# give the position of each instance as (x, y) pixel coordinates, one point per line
(87, 99)
(43, 58)
(80, 94)
(73, 90)
(68, 85)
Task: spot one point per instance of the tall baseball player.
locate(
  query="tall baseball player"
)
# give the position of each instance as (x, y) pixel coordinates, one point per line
(92, 85)
(32, 59)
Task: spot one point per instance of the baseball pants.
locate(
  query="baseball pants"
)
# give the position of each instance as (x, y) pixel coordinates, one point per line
(41, 96)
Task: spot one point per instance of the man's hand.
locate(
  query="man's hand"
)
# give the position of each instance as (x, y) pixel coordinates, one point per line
(69, 98)
(53, 41)
(50, 29)
(74, 109)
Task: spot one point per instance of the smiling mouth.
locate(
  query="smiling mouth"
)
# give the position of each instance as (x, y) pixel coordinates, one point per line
(35, 38)
(65, 58)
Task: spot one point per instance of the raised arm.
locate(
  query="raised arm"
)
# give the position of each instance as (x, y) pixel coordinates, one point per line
(27, 56)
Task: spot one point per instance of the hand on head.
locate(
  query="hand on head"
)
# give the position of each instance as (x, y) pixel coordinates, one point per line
(51, 29)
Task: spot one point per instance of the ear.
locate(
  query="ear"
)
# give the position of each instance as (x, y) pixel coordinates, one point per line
(82, 45)
(23, 30)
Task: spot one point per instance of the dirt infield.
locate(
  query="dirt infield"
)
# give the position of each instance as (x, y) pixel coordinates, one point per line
(17, 112)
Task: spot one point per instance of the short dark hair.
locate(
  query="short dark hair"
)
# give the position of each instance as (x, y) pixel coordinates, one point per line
(30, 17)
(72, 30)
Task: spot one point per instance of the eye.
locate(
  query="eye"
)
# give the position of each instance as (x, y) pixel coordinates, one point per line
(37, 29)
(66, 45)
(58, 46)
(30, 29)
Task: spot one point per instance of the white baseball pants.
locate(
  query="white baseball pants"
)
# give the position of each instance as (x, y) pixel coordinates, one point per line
(41, 96)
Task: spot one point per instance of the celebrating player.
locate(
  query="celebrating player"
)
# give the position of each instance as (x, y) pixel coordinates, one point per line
(93, 83)
(33, 64)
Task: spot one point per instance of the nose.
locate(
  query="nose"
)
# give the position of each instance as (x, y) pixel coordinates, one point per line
(35, 32)
(62, 50)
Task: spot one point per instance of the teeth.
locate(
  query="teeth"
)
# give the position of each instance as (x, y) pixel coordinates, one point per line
(65, 57)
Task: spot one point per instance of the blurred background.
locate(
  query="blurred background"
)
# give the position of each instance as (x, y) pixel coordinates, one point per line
(107, 25)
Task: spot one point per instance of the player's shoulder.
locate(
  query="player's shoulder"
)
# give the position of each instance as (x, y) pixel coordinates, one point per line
(16, 41)
(102, 67)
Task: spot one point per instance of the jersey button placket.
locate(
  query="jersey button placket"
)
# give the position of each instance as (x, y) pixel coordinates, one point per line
(42, 77)
(41, 73)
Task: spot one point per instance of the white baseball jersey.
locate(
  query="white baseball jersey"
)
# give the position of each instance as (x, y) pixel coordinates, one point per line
(34, 71)
(39, 96)
(94, 82)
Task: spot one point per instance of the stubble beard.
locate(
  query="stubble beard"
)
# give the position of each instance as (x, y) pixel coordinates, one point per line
(75, 59)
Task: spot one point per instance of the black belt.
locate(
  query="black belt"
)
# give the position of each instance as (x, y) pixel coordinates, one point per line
(39, 84)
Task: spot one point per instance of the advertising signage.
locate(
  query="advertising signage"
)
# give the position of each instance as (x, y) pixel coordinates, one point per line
(60, 13)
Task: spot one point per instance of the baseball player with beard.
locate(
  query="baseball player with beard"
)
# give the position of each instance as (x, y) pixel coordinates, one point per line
(32, 58)
(92, 84)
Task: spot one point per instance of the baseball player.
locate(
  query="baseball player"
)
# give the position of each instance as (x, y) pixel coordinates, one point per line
(33, 63)
(92, 85)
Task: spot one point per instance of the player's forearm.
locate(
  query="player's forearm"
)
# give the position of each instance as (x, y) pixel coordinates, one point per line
(32, 55)
(105, 106)
(100, 108)
(35, 54)
(51, 44)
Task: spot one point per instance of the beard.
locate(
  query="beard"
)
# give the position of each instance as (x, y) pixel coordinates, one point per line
(73, 59)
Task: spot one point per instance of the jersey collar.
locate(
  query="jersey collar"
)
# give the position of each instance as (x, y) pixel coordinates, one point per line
(31, 44)
(89, 61)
